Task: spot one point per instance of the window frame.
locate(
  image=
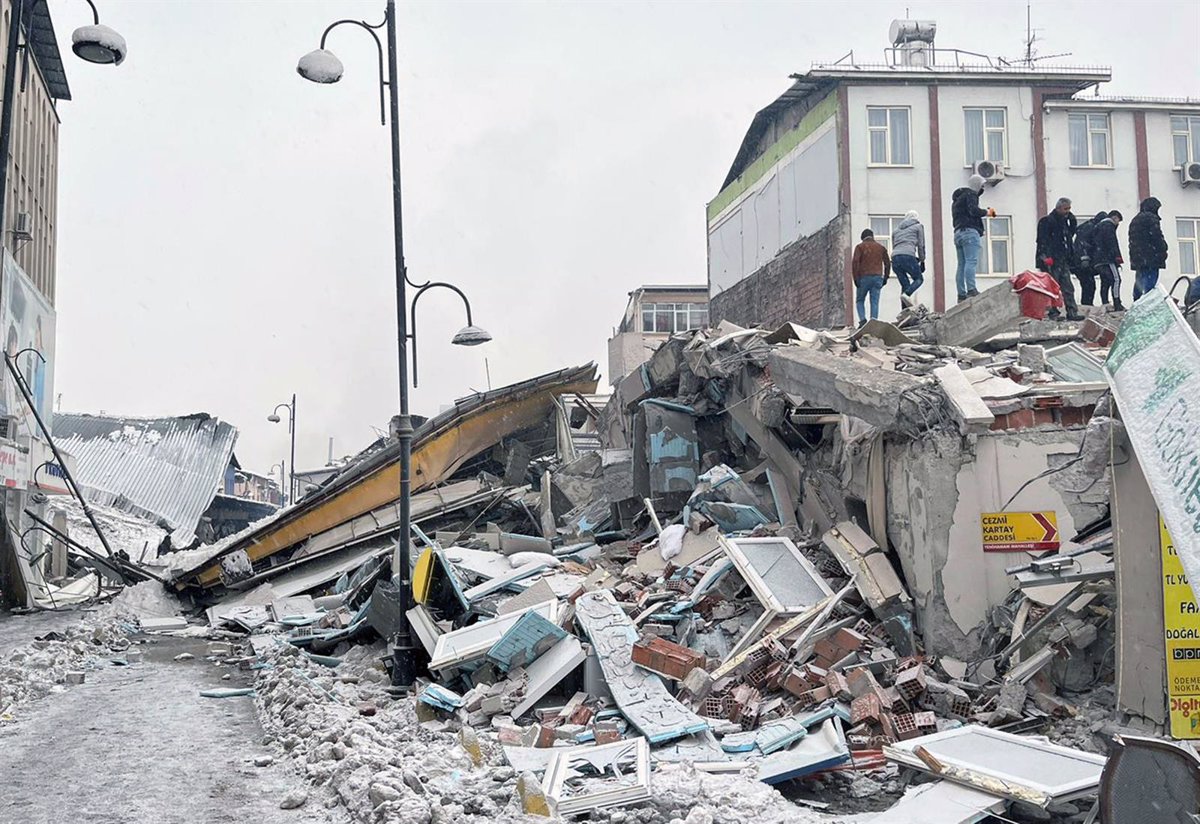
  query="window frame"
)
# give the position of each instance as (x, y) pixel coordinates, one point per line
(1003, 161)
(1087, 126)
(885, 240)
(887, 131)
(1193, 150)
(1193, 241)
(986, 258)
(692, 310)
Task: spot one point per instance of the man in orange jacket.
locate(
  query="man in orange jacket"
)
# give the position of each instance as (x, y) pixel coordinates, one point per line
(869, 268)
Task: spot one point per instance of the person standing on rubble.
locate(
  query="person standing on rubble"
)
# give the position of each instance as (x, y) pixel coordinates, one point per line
(869, 268)
(1055, 246)
(1107, 258)
(1147, 247)
(1085, 268)
(968, 217)
(908, 256)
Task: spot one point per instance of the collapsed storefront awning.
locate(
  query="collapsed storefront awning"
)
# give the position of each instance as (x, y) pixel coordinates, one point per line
(440, 446)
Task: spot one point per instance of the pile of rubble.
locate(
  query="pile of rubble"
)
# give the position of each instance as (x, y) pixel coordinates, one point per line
(708, 569)
(774, 576)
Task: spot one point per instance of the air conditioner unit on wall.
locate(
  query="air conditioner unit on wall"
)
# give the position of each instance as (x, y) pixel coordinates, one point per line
(23, 226)
(991, 172)
(1189, 173)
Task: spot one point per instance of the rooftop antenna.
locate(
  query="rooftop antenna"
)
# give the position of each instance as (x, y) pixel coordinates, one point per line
(1031, 37)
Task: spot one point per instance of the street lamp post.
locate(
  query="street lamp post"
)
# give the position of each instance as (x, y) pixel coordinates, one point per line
(282, 466)
(274, 418)
(322, 66)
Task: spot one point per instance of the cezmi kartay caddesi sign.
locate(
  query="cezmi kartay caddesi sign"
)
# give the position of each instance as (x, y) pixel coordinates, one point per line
(1181, 623)
(1019, 531)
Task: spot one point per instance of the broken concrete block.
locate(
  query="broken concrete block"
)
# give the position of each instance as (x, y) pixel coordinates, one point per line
(74, 677)
(881, 397)
(861, 681)
(990, 313)
(860, 556)
(470, 743)
(697, 683)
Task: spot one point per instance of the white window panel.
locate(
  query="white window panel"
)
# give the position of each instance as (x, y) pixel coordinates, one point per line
(1187, 229)
(986, 132)
(889, 136)
(1185, 138)
(782, 579)
(1090, 140)
(995, 250)
(1014, 761)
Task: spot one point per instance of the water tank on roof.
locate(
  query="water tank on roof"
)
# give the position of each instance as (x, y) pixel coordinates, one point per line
(912, 31)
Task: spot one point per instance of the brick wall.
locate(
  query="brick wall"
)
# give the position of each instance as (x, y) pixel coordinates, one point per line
(804, 283)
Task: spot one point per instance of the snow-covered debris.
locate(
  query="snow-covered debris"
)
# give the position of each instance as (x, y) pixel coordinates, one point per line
(320, 66)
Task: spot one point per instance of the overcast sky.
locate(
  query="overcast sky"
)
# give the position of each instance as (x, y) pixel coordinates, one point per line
(225, 226)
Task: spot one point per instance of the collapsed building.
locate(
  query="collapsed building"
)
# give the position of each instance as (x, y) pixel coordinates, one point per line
(835, 562)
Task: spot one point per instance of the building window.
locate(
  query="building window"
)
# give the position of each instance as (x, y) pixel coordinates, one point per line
(889, 136)
(674, 317)
(884, 226)
(987, 135)
(1188, 231)
(1185, 138)
(995, 252)
(1089, 139)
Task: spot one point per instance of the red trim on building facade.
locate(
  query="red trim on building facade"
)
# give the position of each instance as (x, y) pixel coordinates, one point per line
(1039, 152)
(843, 127)
(1143, 155)
(934, 241)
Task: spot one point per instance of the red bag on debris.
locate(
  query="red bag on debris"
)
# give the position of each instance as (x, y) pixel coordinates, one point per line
(1039, 293)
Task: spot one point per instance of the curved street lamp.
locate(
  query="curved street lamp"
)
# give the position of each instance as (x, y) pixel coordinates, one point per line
(98, 43)
(274, 418)
(323, 66)
(469, 335)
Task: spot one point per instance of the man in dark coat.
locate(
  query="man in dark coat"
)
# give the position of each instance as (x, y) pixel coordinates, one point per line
(1147, 247)
(1107, 259)
(1081, 260)
(967, 217)
(1055, 246)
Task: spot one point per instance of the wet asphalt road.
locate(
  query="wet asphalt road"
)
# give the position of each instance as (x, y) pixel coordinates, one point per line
(138, 745)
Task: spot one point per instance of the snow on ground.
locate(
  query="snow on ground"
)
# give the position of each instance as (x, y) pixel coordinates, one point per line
(370, 756)
(136, 537)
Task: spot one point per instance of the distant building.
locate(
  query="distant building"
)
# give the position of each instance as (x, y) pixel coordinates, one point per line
(250, 486)
(653, 314)
(854, 145)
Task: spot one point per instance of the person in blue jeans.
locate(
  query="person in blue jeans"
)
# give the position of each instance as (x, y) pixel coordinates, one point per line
(1147, 247)
(869, 267)
(968, 217)
(908, 256)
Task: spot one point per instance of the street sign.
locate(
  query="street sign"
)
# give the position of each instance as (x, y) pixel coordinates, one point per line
(1181, 622)
(1019, 531)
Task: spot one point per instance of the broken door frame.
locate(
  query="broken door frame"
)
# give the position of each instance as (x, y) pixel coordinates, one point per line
(560, 770)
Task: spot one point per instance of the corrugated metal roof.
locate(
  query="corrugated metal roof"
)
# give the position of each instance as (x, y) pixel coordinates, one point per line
(167, 470)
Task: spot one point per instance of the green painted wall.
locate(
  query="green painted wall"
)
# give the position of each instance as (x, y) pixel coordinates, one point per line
(817, 115)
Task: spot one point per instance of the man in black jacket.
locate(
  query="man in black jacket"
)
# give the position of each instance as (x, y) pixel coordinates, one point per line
(1055, 244)
(1147, 247)
(1106, 257)
(968, 217)
(1081, 260)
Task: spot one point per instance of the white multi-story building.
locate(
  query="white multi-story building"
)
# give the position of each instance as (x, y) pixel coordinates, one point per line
(653, 314)
(854, 145)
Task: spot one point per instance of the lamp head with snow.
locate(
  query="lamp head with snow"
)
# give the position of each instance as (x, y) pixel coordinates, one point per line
(98, 44)
(320, 66)
(471, 336)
